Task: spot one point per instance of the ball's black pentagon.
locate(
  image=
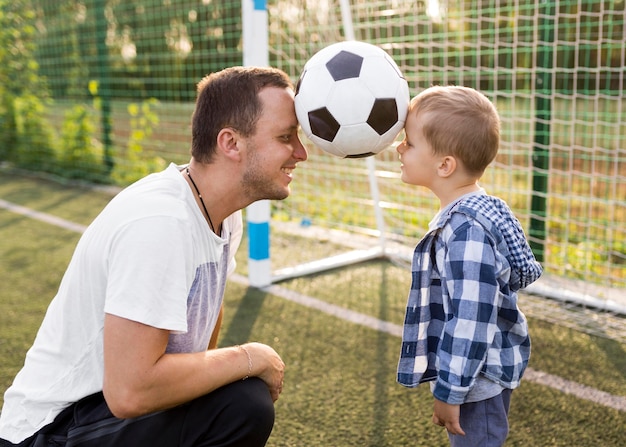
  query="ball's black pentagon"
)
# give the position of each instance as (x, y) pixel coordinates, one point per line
(366, 154)
(384, 115)
(323, 124)
(344, 65)
(299, 82)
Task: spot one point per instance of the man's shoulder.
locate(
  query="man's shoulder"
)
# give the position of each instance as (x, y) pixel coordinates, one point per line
(161, 193)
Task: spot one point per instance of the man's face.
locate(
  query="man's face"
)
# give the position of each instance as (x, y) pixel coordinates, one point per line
(275, 148)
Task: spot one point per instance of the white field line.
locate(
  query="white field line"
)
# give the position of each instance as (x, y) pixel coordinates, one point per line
(552, 381)
(43, 217)
(542, 378)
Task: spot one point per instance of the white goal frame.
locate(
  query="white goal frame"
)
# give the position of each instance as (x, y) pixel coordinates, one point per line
(260, 274)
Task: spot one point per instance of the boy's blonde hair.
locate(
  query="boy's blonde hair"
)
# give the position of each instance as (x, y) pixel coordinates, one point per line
(461, 122)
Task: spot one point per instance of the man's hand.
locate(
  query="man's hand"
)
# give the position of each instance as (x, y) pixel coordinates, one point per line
(446, 415)
(268, 366)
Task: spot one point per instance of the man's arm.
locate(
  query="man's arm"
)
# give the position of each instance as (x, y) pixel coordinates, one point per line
(140, 378)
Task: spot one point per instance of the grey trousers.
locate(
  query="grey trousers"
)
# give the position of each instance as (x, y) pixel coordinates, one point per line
(485, 423)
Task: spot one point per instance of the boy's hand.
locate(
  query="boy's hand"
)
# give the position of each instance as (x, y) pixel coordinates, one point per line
(446, 415)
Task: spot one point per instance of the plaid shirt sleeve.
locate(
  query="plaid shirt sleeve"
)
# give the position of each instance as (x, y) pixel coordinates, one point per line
(468, 266)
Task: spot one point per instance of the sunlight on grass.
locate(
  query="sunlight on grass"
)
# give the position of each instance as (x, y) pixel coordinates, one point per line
(340, 385)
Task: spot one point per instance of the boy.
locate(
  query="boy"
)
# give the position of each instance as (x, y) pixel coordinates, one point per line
(463, 330)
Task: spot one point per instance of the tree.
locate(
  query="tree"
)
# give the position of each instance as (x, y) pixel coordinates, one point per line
(25, 137)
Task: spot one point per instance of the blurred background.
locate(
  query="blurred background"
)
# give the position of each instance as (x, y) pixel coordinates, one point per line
(102, 91)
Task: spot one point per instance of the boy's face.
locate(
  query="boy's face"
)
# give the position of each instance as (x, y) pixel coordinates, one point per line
(418, 163)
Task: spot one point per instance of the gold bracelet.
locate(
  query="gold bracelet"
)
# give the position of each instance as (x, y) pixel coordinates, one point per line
(244, 349)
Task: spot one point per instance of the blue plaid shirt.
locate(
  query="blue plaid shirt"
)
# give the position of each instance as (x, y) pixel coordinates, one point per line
(462, 317)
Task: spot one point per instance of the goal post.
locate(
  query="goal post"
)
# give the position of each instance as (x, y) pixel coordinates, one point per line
(258, 214)
(357, 255)
(260, 272)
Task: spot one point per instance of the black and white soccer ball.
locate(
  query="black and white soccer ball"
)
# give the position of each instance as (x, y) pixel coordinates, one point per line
(352, 99)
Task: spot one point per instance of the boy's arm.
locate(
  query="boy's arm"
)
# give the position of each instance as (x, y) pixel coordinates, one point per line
(469, 276)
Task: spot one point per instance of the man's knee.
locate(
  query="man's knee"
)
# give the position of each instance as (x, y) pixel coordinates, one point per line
(243, 411)
(250, 401)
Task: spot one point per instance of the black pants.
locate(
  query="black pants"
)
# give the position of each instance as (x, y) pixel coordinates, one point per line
(240, 415)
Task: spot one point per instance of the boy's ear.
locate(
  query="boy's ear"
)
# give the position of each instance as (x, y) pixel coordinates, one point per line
(227, 142)
(447, 166)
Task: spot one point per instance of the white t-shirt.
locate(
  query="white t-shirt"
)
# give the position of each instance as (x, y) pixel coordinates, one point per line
(149, 257)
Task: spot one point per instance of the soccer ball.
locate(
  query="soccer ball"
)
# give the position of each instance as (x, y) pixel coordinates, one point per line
(351, 99)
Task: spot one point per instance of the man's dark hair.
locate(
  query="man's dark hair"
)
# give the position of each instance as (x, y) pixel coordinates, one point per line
(229, 98)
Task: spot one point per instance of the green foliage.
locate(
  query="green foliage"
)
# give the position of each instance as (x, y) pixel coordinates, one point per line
(18, 66)
(582, 255)
(34, 147)
(25, 137)
(8, 138)
(135, 164)
(80, 154)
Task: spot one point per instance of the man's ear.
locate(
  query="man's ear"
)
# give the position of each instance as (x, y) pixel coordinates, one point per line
(228, 141)
(447, 166)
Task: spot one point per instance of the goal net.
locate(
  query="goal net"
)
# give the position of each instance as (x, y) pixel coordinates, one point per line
(555, 72)
(103, 90)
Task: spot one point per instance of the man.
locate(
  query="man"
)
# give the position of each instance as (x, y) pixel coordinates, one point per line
(121, 357)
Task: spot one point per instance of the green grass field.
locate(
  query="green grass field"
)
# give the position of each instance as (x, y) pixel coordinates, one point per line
(340, 385)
